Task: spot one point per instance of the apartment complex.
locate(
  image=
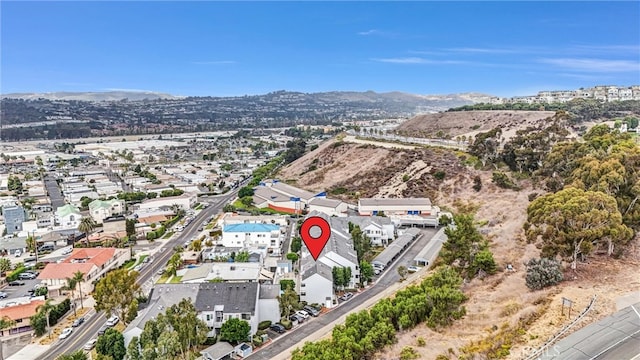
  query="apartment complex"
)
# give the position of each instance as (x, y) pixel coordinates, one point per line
(601, 93)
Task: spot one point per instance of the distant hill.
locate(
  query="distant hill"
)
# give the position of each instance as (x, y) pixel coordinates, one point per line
(92, 96)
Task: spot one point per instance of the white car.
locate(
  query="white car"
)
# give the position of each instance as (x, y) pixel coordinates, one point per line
(412, 269)
(90, 344)
(18, 253)
(67, 251)
(302, 313)
(112, 321)
(65, 333)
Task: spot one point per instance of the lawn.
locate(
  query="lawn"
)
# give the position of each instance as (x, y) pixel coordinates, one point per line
(168, 235)
(198, 207)
(163, 279)
(176, 280)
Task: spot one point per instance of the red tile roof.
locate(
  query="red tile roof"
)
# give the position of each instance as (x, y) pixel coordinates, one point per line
(64, 270)
(21, 311)
(97, 256)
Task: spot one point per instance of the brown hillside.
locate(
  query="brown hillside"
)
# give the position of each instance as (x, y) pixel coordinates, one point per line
(498, 301)
(469, 123)
(348, 171)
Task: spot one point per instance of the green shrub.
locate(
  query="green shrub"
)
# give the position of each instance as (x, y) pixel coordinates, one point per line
(502, 180)
(15, 273)
(286, 323)
(477, 183)
(439, 175)
(542, 273)
(409, 353)
(264, 324)
(406, 177)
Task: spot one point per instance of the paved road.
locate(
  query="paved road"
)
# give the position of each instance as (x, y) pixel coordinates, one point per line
(616, 337)
(388, 278)
(89, 329)
(53, 190)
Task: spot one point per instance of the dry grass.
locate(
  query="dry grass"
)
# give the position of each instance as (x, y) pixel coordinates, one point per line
(500, 304)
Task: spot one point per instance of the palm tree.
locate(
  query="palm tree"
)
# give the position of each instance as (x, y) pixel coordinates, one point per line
(86, 226)
(46, 309)
(78, 277)
(5, 323)
(71, 285)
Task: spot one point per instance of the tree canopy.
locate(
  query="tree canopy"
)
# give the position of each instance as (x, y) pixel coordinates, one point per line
(115, 291)
(235, 330)
(573, 222)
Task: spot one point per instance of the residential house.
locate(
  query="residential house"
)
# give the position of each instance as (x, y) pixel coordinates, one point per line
(268, 304)
(227, 272)
(219, 302)
(14, 216)
(316, 276)
(19, 311)
(92, 262)
(102, 209)
(68, 216)
(215, 303)
(185, 201)
(380, 230)
(252, 235)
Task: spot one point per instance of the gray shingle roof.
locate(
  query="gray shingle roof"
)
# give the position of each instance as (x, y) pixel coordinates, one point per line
(235, 297)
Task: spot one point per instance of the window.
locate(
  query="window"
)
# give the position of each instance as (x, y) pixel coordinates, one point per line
(246, 316)
(302, 285)
(208, 317)
(302, 293)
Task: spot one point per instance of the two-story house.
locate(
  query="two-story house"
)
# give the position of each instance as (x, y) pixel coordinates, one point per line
(68, 216)
(102, 209)
(251, 235)
(316, 276)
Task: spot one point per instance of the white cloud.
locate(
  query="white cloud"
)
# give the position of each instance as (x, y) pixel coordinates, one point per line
(370, 32)
(607, 49)
(418, 60)
(215, 62)
(484, 50)
(593, 65)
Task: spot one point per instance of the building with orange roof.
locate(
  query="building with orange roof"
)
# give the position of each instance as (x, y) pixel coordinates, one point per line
(92, 262)
(19, 313)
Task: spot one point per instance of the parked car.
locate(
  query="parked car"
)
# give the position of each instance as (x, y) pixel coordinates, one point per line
(78, 322)
(161, 271)
(27, 276)
(138, 267)
(65, 333)
(67, 251)
(412, 269)
(278, 328)
(16, 283)
(112, 321)
(18, 253)
(296, 318)
(3, 295)
(311, 310)
(90, 344)
(103, 329)
(346, 296)
(303, 314)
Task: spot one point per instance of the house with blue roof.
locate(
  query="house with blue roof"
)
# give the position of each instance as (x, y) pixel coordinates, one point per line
(249, 235)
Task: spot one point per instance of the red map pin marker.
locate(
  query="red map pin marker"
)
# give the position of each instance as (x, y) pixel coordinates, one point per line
(315, 244)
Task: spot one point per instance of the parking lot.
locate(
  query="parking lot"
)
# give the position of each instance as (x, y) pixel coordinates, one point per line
(14, 292)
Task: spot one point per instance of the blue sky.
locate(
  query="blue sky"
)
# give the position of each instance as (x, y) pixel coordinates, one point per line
(238, 48)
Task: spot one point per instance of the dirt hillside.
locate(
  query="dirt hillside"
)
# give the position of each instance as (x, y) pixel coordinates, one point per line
(469, 123)
(348, 170)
